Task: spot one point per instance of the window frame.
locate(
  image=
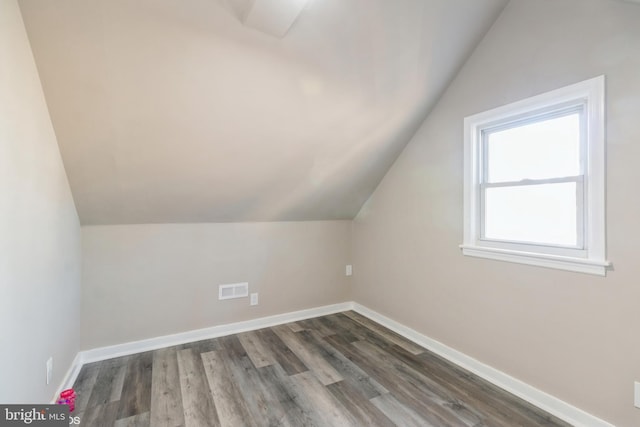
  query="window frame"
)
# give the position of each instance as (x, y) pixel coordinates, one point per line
(588, 256)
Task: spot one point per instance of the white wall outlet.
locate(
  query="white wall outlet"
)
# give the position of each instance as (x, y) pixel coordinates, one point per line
(254, 299)
(49, 369)
(636, 394)
(349, 270)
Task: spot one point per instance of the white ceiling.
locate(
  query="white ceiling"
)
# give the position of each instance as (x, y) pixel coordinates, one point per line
(174, 111)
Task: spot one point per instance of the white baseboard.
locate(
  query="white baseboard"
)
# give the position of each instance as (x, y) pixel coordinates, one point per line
(69, 377)
(563, 410)
(125, 349)
(109, 352)
(544, 401)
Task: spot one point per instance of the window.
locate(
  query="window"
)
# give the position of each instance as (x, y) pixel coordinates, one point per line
(535, 180)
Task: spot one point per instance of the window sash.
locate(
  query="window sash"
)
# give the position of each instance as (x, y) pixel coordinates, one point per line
(555, 111)
(580, 210)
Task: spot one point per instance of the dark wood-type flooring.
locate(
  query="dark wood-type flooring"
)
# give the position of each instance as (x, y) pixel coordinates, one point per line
(337, 370)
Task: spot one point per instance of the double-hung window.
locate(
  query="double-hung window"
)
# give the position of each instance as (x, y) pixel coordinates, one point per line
(535, 180)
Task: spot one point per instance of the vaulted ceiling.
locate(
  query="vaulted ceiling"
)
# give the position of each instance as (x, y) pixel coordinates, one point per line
(176, 111)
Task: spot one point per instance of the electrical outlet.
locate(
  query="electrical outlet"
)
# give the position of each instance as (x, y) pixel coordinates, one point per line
(636, 395)
(49, 369)
(254, 299)
(349, 270)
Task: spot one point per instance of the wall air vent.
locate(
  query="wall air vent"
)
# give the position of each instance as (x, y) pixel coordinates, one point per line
(233, 290)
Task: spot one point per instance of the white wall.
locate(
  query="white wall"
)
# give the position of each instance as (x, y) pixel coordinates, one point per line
(144, 281)
(173, 112)
(569, 334)
(39, 230)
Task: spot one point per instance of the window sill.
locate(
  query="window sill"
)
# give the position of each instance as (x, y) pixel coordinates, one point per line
(580, 265)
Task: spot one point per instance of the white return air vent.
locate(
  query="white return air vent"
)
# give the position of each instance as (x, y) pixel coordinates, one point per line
(233, 290)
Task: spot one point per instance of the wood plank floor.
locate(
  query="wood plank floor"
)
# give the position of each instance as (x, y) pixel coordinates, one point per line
(337, 370)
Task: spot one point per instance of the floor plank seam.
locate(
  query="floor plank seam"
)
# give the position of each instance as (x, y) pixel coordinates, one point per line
(342, 369)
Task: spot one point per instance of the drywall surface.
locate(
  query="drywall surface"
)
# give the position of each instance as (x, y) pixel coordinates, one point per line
(173, 111)
(144, 281)
(39, 231)
(569, 334)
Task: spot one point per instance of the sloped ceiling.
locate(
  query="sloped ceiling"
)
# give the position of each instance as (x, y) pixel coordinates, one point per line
(174, 111)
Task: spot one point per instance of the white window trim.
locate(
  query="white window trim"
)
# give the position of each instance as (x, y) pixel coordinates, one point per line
(592, 259)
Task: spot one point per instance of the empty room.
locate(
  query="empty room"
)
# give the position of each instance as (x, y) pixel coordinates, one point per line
(319, 213)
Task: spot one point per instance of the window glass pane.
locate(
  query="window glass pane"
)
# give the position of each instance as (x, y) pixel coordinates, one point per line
(544, 149)
(544, 214)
